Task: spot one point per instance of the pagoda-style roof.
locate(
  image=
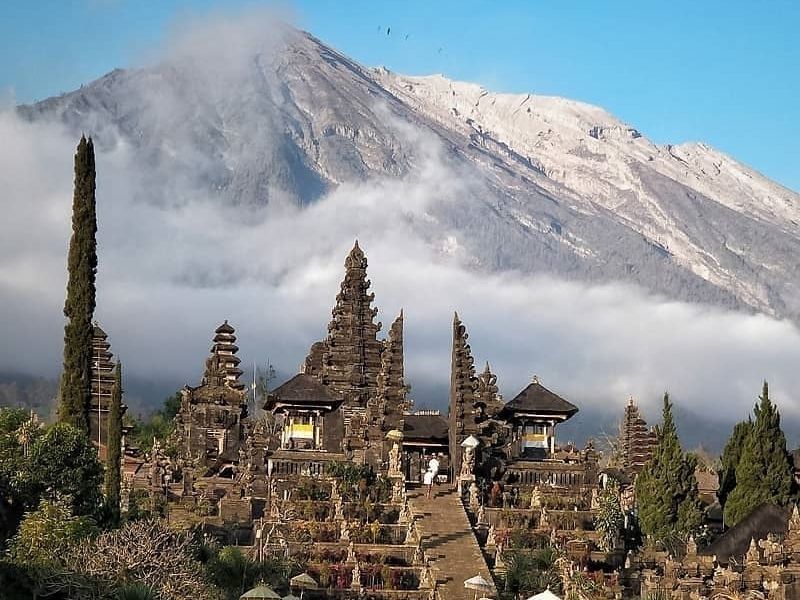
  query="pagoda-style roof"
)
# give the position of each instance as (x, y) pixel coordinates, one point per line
(305, 391)
(425, 427)
(538, 400)
(224, 328)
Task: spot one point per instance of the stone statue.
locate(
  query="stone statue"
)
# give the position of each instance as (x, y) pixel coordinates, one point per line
(468, 462)
(691, 547)
(474, 501)
(351, 553)
(395, 461)
(536, 498)
(498, 557)
(426, 580)
(344, 531)
(398, 489)
(274, 509)
(356, 581)
(405, 513)
(188, 482)
(411, 533)
(335, 493)
(543, 519)
(595, 502)
(418, 556)
(481, 514)
(338, 510)
(490, 537)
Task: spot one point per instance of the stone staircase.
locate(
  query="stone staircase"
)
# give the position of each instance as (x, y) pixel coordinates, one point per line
(448, 541)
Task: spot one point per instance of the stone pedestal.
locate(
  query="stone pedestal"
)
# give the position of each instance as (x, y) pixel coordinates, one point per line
(398, 488)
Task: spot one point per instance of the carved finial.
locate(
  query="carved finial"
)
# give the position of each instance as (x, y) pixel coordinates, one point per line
(752, 555)
(356, 258)
(535, 379)
(794, 520)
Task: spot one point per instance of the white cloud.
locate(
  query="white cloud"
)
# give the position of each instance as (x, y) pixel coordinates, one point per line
(169, 274)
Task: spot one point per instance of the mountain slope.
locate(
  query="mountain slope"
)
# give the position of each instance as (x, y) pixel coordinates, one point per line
(603, 160)
(552, 185)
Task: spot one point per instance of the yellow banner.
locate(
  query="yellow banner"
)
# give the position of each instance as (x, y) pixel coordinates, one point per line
(302, 431)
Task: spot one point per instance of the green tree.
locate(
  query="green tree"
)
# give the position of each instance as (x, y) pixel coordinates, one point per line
(160, 424)
(609, 519)
(76, 380)
(54, 463)
(172, 405)
(18, 432)
(114, 447)
(46, 534)
(731, 456)
(63, 463)
(764, 470)
(666, 489)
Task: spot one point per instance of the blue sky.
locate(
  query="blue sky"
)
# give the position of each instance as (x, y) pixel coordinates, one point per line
(724, 72)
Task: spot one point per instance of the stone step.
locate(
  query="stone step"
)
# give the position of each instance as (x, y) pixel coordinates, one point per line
(449, 541)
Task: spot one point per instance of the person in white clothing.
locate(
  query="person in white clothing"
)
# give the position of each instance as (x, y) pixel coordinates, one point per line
(427, 479)
(433, 467)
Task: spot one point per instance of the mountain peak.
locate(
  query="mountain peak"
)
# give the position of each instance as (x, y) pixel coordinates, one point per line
(568, 188)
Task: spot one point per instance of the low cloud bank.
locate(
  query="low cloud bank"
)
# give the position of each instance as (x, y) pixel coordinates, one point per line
(170, 273)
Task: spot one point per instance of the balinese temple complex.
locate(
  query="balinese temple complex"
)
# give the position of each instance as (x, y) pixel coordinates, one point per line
(270, 483)
(348, 404)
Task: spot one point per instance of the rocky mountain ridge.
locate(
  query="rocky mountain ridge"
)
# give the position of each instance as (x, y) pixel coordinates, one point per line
(558, 186)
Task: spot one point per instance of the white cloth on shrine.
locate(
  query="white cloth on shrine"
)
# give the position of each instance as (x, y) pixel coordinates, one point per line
(545, 595)
(427, 479)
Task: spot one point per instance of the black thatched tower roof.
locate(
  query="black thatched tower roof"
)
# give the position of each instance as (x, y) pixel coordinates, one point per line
(733, 544)
(303, 390)
(538, 400)
(422, 427)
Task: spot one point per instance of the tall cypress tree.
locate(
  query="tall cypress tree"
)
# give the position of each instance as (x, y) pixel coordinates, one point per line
(730, 458)
(764, 472)
(666, 489)
(114, 446)
(76, 380)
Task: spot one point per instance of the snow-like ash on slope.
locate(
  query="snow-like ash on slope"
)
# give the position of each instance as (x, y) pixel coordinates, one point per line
(604, 161)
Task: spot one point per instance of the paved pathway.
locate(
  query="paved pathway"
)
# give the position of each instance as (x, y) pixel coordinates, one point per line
(448, 540)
